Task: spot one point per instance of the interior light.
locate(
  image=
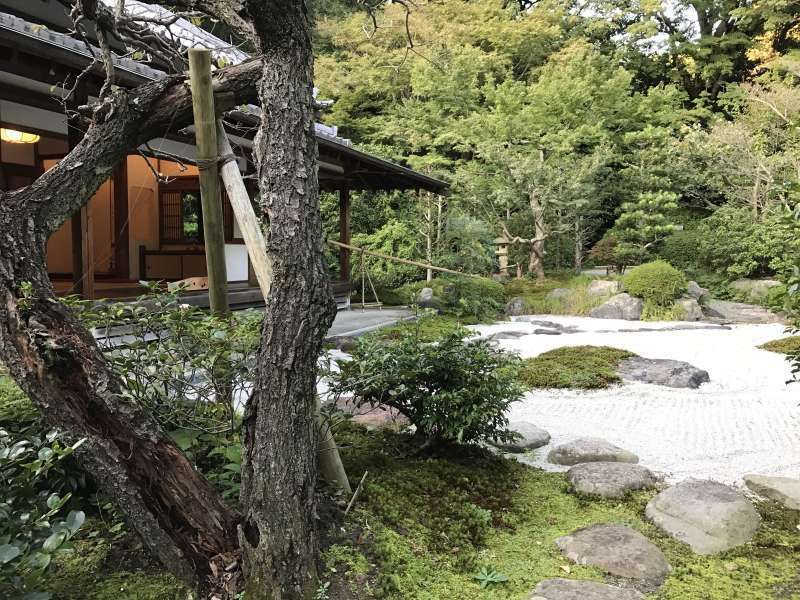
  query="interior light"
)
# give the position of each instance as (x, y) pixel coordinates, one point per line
(12, 136)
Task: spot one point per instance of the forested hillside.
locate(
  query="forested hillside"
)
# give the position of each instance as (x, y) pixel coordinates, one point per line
(656, 132)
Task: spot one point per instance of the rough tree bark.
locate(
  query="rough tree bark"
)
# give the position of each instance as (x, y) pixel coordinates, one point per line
(536, 261)
(55, 360)
(278, 536)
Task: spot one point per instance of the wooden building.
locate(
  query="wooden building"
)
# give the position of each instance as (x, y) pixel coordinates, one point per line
(144, 223)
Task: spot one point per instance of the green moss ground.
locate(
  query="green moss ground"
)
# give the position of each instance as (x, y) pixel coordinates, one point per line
(786, 345)
(576, 367)
(421, 531)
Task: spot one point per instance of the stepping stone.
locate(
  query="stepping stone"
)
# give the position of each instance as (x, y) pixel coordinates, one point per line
(662, 371)
(617, 550)
(610, 479)
(781, 489)
(509, 335)
(708, 516)
(589, 449)
(572, 589)
(532, 437)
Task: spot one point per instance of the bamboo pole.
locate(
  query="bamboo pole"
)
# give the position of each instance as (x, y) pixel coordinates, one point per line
(206, 138)
(400, 260)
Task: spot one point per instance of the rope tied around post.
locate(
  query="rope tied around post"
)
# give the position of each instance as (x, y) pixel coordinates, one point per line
(204, 164)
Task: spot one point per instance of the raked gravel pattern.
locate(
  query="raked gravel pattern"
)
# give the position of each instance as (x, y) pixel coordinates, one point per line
(745, 420)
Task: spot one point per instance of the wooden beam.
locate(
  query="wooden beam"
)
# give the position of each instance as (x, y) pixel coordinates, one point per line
(249, 224)
(205, 123)
(344, 233)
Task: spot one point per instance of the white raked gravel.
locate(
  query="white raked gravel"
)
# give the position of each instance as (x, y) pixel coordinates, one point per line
(745, 420)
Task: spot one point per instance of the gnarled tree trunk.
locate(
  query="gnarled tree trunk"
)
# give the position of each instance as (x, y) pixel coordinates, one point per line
(55, 360)
(278, 536)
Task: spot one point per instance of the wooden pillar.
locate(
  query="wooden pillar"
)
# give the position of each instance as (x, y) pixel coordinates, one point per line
(82, 238)
(122, 263)
(205, 123)
(344, 233)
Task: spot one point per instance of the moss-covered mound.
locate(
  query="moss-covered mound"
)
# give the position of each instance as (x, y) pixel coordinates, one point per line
(786, 345)
(538, 299)
(425, 527)
(578, 367)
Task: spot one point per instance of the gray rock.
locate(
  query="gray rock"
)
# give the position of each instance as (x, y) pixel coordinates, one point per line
(708, 516)
(509, 335)
(621, 306)
(515, 307)
(532, 437)
(603, 287)
(696, 291)
(781, 489)
(739, 312)
(426, 299)
(589, 449)
(754, 289)
(345, 343)
(546, 332)
(572, 589)
(692, 311)
(617, 550)
(610, 479)
(662, 371)
(558, 293)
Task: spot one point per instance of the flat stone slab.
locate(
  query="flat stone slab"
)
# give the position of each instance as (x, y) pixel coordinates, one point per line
(662, 371)
(785, 490)
(708, 516)
(610, 479)
(622, 306)
(617, 550)
(573, 589)
(739, 312)
(532, 437)
(589, 449)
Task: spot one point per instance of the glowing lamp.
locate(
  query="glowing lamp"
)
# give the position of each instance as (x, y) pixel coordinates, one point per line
(12, 136)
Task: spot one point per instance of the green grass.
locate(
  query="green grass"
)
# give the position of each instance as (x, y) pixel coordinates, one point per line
(786, 345)
(576, 367)
(535, 294)
(655, 312)
(426, 525)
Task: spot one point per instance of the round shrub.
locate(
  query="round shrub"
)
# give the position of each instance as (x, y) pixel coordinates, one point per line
(657, 282)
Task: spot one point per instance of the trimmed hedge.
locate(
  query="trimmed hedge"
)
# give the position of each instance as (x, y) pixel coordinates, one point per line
(657, 282)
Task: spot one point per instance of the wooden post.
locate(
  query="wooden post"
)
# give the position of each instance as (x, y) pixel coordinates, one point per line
(344, 233)
(205, 123)
(249, 224)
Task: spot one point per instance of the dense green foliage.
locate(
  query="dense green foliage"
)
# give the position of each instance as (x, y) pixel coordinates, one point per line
(574, 367)
(656, 282)
(461, 296)
(452, 389)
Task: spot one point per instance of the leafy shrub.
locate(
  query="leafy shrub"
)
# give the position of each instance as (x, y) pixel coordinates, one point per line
(396, 238)
(466, 245)
(452, 390)
(680, 249)
(657, 282)
(477, 297)
(33, 526)
(574, 367)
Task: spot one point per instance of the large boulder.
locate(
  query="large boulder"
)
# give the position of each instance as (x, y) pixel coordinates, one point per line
(589, 449)
(573, 589)
(696, 291)
(603, 287)
(617, 550)
(558, 293)
(622, 306)
(708, 516)
(692, 311)
(609, 479)
(662, 371)
(739, 312)
(784, 490)
(754, 289)
(531, 437)
(427, 299)
(515, 307)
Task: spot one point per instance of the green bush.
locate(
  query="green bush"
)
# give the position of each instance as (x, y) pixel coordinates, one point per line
(680, 249)
(657, 282)
(452, 390)
(477, 297)
(574, 367)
